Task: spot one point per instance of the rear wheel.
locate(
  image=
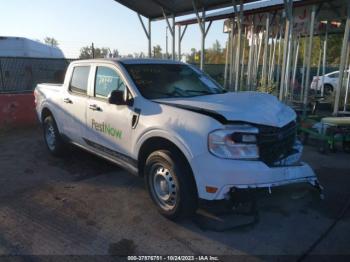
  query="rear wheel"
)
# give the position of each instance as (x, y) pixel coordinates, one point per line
(52, 136)
(170, 184)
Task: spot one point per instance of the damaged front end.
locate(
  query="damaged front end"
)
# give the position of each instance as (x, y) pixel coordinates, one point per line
(280, 150)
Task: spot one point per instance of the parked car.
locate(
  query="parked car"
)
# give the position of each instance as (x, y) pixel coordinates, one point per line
(172, 124)
(330, 82)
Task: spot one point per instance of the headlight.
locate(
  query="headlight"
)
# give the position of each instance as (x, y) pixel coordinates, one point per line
(234, 142)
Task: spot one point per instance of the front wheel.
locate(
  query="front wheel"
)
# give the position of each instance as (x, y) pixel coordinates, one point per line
(170, 184)
(52, 136)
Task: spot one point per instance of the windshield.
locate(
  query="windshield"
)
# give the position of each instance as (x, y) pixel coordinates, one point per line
(156, 81)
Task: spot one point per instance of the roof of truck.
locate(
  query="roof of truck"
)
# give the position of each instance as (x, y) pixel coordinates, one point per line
(147, 61)
(131, 61)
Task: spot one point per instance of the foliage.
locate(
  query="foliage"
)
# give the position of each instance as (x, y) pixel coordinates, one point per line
(214, 55)
(157, 51)
(333, 49)
(270, 88)
(51, 41)
(88, 52)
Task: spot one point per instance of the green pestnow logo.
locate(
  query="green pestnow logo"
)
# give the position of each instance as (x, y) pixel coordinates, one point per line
(107, 129)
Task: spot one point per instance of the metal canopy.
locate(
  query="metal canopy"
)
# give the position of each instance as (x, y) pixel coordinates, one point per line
(153, 9)
(250, 8)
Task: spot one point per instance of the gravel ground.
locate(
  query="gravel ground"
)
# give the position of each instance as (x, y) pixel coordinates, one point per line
(82, 205)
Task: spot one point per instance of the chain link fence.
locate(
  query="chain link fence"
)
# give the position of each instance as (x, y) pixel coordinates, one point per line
(20, 74)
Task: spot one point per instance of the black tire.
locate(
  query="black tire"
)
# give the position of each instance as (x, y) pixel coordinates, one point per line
(175, 181)
(327, 89)
(54, 144)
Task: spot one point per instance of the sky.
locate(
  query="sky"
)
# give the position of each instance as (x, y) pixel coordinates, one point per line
(106, 23)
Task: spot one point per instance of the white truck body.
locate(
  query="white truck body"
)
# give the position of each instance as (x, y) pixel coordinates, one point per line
(118, 132)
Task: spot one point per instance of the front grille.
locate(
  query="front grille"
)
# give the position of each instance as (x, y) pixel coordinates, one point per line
(276, 143)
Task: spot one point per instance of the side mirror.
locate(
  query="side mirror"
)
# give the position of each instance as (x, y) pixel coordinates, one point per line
(116, 97)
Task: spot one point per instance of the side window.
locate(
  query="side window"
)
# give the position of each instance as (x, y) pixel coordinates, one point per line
(106, 81)
(79, 81)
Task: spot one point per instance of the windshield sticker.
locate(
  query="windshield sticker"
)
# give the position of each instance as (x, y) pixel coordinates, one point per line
(107, 129)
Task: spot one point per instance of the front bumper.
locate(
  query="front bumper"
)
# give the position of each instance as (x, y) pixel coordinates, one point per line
(225, 174)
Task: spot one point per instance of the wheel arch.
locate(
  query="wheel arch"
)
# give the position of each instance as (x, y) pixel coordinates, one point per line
(329, 85)
(154, 143)
(45, 112)
(160, 143)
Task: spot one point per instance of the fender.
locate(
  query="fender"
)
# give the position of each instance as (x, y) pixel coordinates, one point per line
(172, 137)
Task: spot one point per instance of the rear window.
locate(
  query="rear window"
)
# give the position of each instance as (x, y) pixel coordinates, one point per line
(79, 81)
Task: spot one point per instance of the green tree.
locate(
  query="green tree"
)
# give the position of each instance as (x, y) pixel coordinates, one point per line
(157, 51)
(215, 54)
(51, 41)
(115, 53)
(87, 52)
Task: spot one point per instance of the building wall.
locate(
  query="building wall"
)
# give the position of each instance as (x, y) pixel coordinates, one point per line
(17, 110)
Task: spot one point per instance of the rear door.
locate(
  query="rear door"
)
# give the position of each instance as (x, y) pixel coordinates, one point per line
(108, 126)
(74, 102)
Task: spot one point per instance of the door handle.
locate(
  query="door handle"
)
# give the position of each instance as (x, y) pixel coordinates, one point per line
(95, 107)
(68, 101)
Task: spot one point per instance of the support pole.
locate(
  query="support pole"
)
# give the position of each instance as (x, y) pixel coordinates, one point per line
(149, 39)
(296, 57)
(243, 56)
(308, 60)
(173, 35)
(266, 50)
(147, 33)
(179, 42)
(289, 59)
(233, 53)
(347, 87)
(250, 57)
(288, 6)
(258, 54)
(342, 62)
(285, 49)
(239, 40)
(226, 60)
(232, 57)
(166, 43)
(278, 75)
(303, 70)
(273, 59)
(181, 36)
(269, 62)
(204, 31)
(203, 39)
(324, 58)
(319, 67)
(172, 32)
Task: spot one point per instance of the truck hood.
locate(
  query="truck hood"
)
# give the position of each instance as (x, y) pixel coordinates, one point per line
(252, 107)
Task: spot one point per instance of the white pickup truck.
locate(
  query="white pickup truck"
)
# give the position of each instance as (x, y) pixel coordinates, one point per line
(175, 126)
